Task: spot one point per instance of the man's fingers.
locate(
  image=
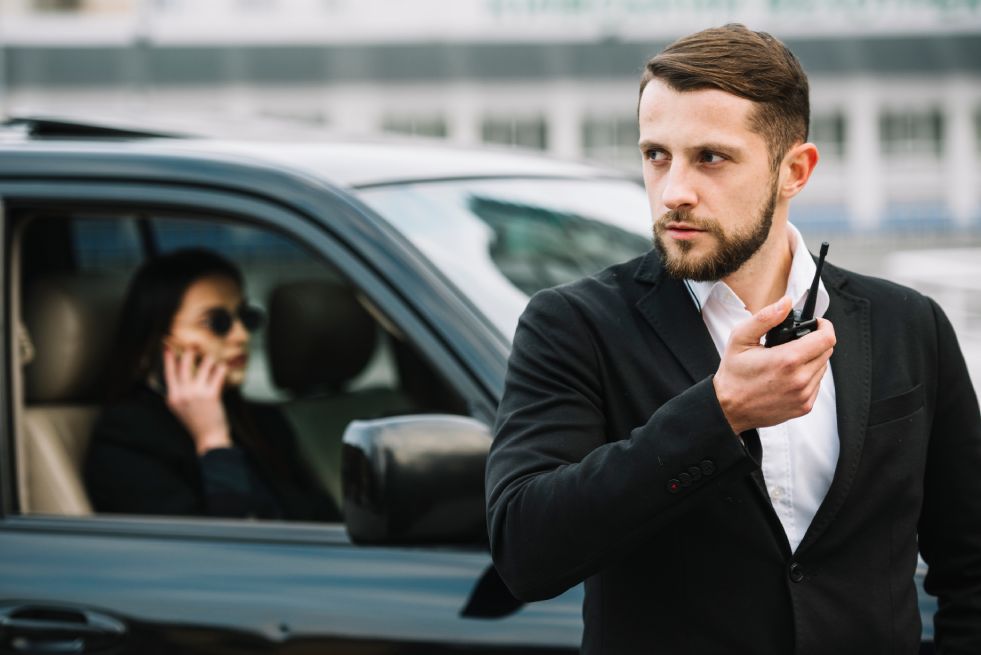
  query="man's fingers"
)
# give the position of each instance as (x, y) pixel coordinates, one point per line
(749, 332)
(815, 345)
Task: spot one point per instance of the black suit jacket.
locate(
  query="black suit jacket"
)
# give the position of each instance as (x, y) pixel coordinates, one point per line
(613, 463)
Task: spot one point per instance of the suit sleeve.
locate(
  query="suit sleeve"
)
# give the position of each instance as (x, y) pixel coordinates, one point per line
(564, 498)
(950, 522)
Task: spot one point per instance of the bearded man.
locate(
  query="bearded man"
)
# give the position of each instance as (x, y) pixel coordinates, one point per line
(717, 496)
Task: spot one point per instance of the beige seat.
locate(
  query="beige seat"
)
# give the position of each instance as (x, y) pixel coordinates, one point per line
(70, 321)
(319, 339)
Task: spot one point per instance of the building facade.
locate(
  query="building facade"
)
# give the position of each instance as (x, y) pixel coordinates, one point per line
(896, 84)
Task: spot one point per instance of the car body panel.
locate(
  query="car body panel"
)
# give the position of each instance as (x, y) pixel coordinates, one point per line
(271, 583)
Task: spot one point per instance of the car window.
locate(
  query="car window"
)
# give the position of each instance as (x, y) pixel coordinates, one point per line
(502, 240)
(325, 355)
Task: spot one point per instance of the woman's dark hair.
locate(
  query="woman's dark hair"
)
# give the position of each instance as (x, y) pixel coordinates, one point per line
(154, 295)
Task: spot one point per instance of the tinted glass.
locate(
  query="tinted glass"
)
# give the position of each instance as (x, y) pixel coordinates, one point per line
(500, 241)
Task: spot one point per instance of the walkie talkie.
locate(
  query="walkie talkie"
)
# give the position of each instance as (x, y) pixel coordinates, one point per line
(797, 324)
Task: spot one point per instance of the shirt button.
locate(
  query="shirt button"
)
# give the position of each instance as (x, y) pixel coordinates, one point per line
(776, 493)
(796, 572)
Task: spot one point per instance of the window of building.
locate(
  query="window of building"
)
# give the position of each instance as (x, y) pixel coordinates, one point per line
(57, 5)
(522, 132)
(612, 140)
(977, 129)
(433, 126)
(912, 133)
(258, 5)
(828, 134)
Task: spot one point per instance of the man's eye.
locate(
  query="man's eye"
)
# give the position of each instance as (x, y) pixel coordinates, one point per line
(712, 158)
(657, 155)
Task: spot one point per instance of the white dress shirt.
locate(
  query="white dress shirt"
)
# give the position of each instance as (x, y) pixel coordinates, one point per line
(799, 456)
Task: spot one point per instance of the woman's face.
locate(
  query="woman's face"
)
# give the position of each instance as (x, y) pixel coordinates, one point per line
(192, 327)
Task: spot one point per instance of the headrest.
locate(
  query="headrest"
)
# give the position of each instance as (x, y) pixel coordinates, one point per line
(71, 323)
(319, 336)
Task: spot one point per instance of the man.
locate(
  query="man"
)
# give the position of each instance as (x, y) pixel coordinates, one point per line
(717, 496)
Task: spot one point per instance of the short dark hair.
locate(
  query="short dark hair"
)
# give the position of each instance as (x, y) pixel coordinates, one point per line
(748, 64)
(153, 298)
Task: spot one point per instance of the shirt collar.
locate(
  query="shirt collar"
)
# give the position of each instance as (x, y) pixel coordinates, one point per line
(802, 268)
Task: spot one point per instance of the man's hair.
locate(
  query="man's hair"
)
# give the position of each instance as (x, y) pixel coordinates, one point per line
(748, 64)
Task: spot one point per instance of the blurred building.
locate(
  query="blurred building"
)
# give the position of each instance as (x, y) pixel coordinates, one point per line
(896, 83)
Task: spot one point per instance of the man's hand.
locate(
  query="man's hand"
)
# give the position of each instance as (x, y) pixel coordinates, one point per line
(758, 387)
(194, 396)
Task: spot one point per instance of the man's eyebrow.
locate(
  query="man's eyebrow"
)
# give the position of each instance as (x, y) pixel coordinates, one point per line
(728, 148)
(717, 147)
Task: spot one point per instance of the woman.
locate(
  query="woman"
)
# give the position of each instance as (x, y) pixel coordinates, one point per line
(176, 437)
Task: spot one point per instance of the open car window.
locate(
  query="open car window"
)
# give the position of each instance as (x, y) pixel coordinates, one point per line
(324, 357)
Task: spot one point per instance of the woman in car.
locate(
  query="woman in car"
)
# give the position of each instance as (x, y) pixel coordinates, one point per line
(176, 436)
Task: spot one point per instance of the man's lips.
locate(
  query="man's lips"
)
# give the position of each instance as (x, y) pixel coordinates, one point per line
(682, 230)
(238, 361)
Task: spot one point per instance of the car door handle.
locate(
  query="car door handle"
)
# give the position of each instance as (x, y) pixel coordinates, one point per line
(52, 630)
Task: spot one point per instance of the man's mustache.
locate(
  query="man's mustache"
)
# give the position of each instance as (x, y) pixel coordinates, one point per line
(688, 218)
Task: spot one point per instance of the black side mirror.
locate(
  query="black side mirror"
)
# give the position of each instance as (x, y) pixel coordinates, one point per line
(415, 479)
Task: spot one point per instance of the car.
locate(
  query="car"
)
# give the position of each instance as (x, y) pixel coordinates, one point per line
(393, 274)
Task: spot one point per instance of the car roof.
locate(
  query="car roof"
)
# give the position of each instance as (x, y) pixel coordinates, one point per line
(351, 162)
(375, 163)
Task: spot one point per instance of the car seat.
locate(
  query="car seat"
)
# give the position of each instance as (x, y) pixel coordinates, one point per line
(70, 321)
(319, 339)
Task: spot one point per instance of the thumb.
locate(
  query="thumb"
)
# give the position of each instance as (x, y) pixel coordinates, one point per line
(750, 331)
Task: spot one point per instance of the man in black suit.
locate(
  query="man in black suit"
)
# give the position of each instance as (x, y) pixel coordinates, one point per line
(717, 496)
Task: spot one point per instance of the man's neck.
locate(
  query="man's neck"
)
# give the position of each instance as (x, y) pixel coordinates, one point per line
(762, 280)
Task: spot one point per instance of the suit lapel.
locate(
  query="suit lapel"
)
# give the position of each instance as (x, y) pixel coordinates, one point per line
(670, 310)
(851, 368)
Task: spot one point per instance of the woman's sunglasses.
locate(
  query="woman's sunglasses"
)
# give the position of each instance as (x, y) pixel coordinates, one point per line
(219, 320)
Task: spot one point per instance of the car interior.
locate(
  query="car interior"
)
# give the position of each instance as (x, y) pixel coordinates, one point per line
(326, 356)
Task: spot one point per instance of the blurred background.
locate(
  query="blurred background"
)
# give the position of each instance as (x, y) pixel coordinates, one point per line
(896, 93)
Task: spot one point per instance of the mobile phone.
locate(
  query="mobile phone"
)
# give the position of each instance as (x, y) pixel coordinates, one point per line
(156, 377)
(797, 324)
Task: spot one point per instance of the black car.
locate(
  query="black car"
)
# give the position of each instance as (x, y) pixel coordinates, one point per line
(393, 275)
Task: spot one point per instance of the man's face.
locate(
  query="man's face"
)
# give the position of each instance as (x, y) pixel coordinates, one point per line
(709, 182)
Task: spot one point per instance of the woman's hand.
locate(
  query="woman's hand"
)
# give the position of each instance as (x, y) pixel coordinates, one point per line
(194, 396)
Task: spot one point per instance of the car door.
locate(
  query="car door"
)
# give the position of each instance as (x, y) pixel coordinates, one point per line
(145, 584)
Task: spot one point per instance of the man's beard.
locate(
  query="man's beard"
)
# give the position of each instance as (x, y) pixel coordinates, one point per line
(731, 251)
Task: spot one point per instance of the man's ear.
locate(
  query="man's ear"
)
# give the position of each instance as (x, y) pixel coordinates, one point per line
(796, 168)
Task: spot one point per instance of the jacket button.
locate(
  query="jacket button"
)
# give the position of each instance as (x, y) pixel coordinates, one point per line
(796, 572)
(707, 466)
(695, 473)
(685, 479)
(674, 485)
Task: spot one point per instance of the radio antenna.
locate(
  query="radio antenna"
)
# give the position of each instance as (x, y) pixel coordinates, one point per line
(808, 312)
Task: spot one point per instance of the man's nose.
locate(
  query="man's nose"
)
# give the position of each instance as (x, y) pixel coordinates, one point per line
(679, 188)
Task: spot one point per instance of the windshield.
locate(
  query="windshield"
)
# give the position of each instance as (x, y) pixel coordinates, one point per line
(500, 241)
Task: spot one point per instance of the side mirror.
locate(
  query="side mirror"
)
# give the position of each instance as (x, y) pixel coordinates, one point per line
(415, 479)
